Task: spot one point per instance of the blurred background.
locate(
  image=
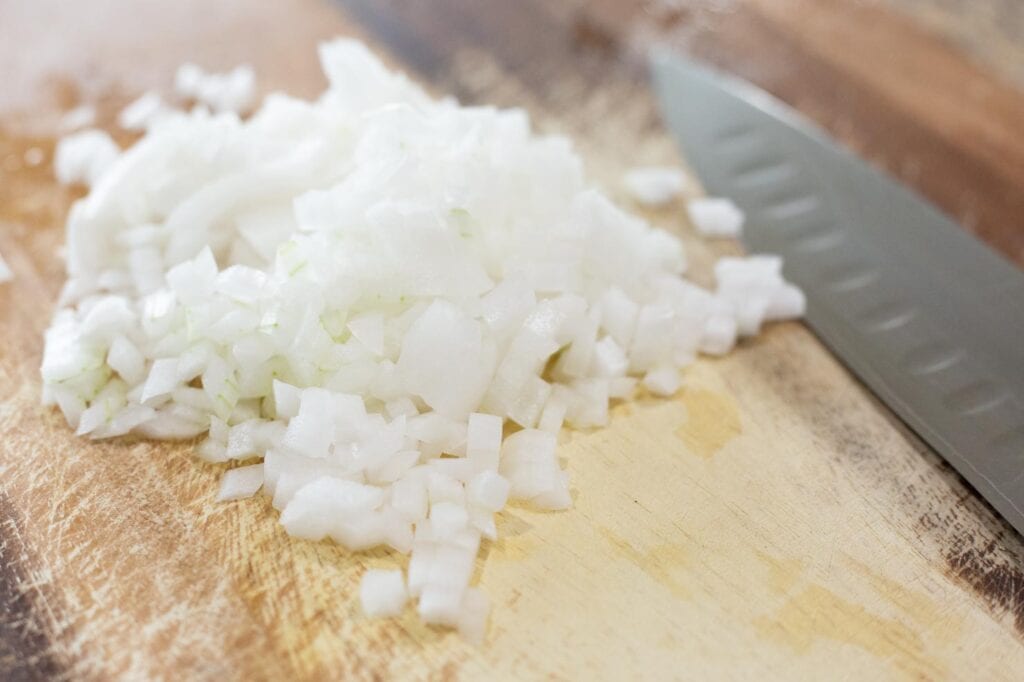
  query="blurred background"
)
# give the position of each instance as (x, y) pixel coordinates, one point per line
(929, 89)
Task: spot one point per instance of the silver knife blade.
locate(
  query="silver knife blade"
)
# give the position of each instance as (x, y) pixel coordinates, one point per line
(927, 316)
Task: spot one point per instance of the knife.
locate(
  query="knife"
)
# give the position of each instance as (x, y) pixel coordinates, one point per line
(927, 316)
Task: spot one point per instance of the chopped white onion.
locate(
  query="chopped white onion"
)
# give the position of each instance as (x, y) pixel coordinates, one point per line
(231, 91)
(83, 157)
(530, 464)
(364, 290)
(488, 490)
(143, 112)
(237, 484)
(162, 379)
(483, 439)
(125, 359)
(719, 335)
(654, 185)
(662, 381)
(715, 217)
(82, 116)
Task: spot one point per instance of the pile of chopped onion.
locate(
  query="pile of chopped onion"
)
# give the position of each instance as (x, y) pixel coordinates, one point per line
(386, 305)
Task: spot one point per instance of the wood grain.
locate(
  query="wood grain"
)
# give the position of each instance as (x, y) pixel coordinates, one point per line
(991, 32)
(772, 521)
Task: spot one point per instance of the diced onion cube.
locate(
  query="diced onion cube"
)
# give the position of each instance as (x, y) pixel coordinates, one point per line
(240, 483)
(715, 217)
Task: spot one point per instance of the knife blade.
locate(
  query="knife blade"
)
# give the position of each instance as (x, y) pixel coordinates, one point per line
(928, 317)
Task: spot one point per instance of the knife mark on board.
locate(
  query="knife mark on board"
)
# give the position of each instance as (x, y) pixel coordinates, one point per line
(26, 651)
(998, 581)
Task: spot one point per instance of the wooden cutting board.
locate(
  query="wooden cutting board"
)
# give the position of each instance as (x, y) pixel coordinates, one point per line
(771, 521)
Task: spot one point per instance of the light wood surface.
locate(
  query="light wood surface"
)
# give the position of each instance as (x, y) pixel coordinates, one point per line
(772, 521)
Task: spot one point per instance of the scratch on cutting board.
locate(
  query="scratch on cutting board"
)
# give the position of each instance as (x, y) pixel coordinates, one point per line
(660, 562)
(712, 421)
(26, 649)
(991, 571)
(514, 549)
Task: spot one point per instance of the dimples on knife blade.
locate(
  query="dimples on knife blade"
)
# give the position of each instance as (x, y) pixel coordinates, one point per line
(928, 317)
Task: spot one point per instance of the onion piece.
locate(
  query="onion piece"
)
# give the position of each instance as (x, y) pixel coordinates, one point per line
(654, 185)
(83, 157)
(143, 112)
(237, 484)
(715, 217)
